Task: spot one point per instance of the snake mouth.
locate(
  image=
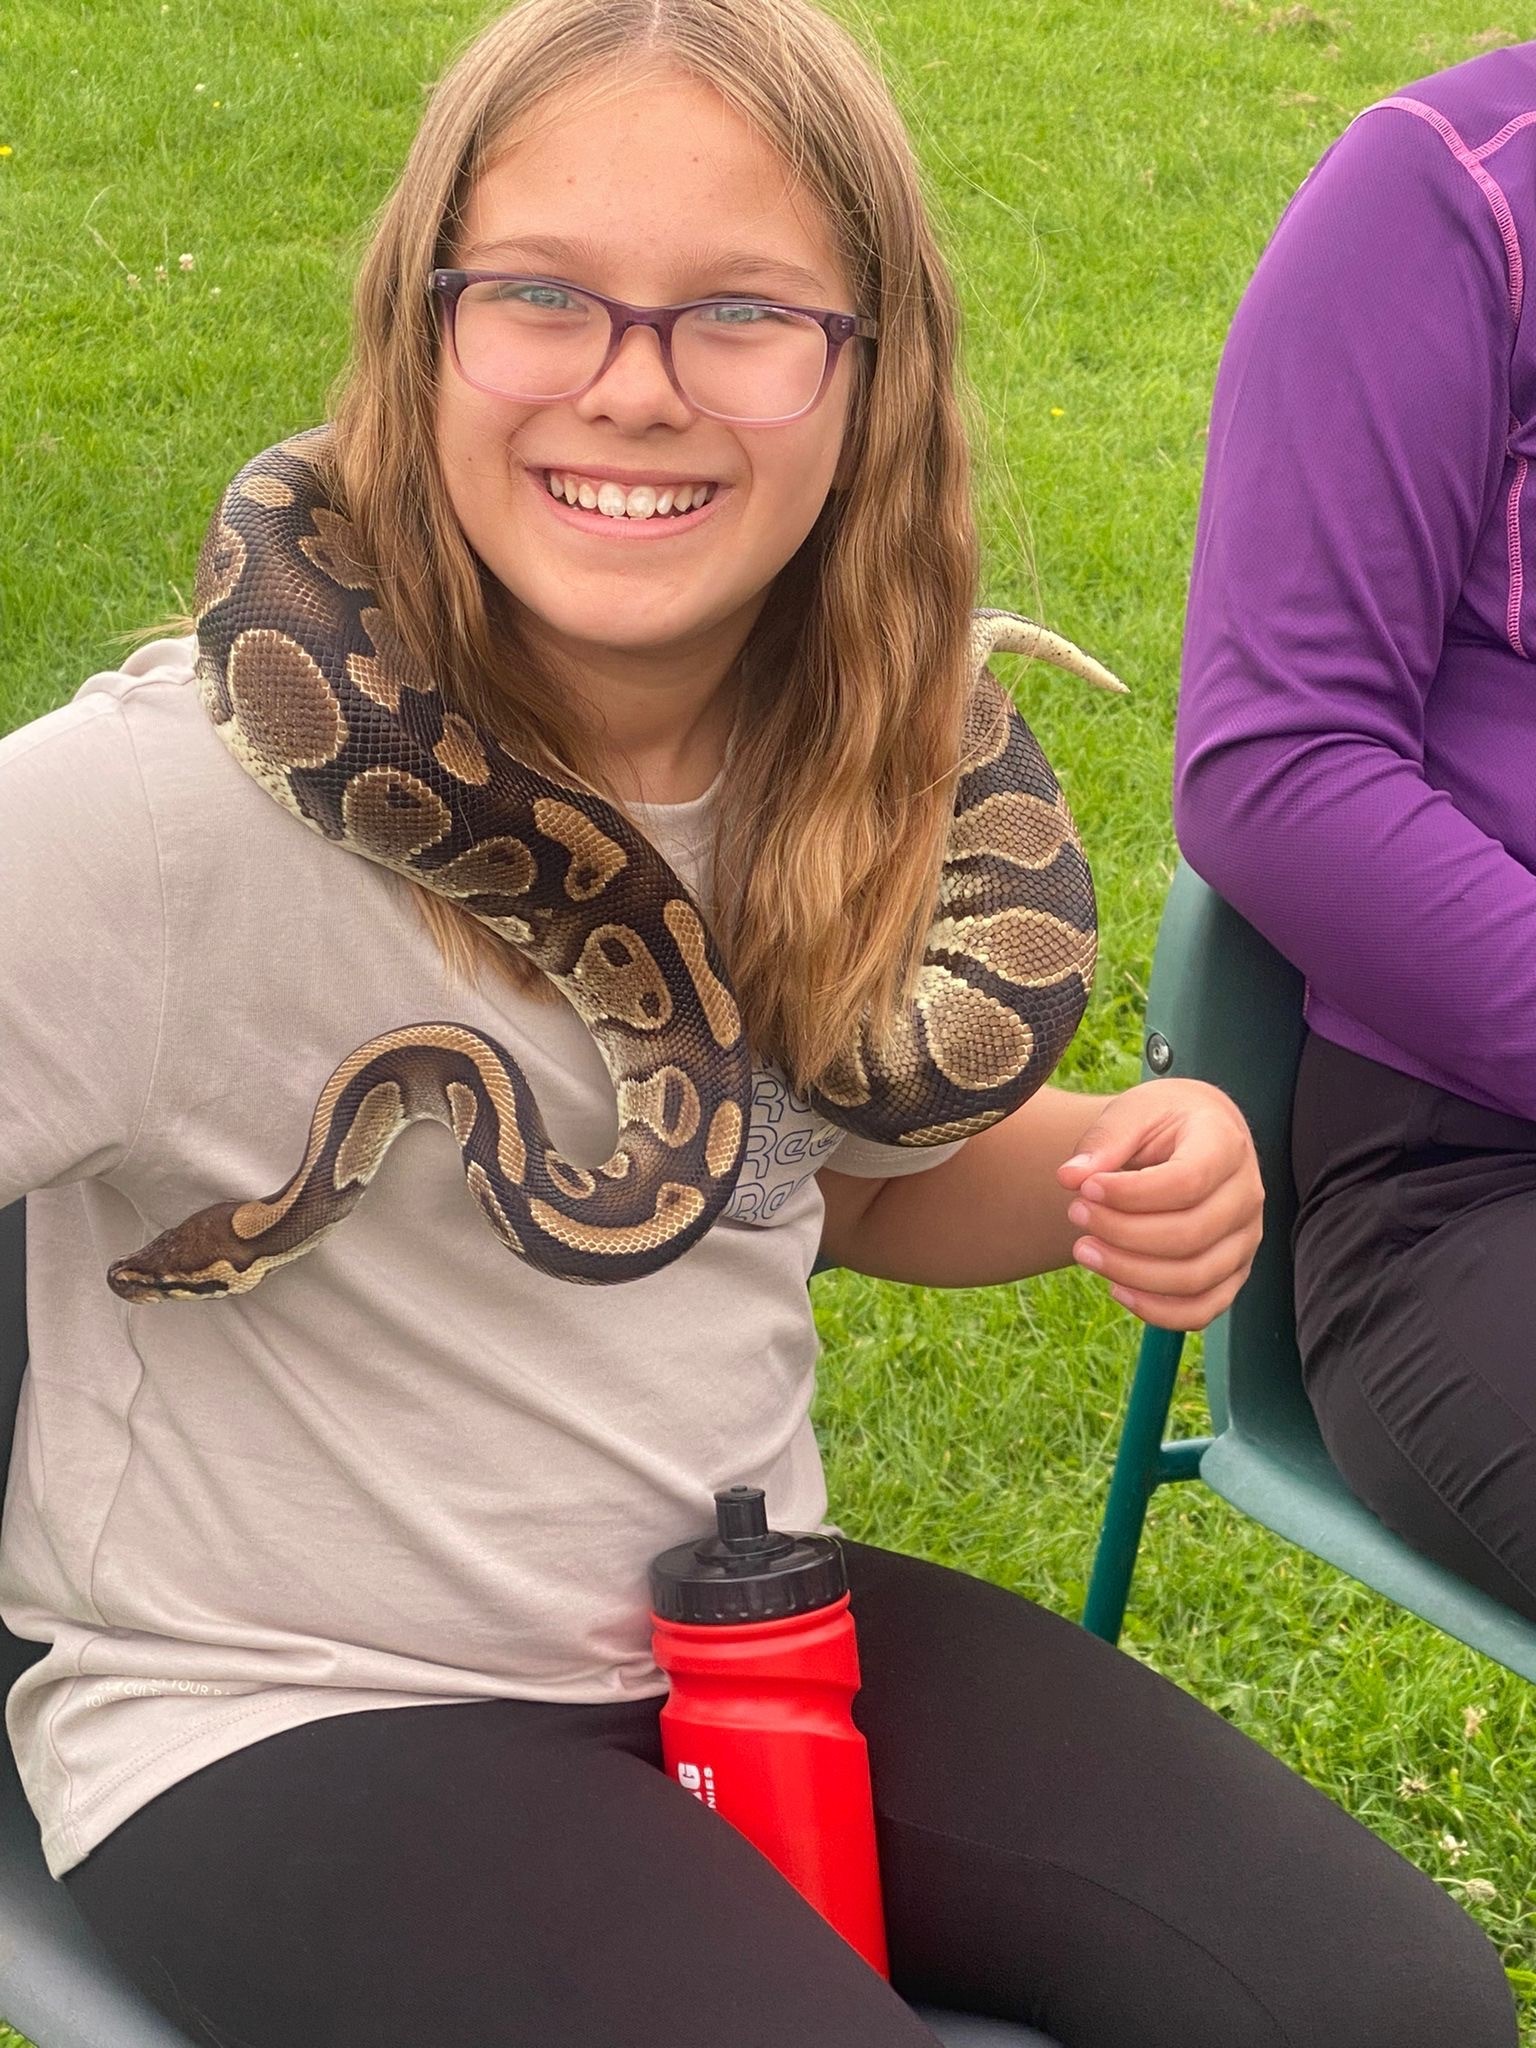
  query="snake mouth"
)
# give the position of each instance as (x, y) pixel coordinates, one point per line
(131, 1283)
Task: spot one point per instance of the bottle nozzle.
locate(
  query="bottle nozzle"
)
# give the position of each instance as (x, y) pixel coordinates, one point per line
(741, 1516)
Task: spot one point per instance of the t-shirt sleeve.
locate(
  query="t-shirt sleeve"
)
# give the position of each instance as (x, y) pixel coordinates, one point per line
(863, 1159)
(1357, 442)
(81, 947)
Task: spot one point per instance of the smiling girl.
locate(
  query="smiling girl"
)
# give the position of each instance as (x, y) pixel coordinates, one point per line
(411, 1473)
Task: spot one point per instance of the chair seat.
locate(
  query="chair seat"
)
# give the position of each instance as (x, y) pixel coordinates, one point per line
(965, 2030)
(56, 1985)
(1302, 1497)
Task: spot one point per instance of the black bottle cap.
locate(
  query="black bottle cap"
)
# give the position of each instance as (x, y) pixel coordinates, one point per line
(746, 1571)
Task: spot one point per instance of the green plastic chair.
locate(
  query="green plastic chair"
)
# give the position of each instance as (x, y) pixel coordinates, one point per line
(56, 1984)
(1224, 1007)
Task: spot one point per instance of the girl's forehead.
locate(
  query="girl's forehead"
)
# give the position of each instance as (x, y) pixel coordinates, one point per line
(666, 175)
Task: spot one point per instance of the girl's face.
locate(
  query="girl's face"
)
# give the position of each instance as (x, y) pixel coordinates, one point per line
(662, 182)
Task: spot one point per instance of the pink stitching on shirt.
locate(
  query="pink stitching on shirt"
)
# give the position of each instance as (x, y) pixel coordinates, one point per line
(1510, 128)
(1516, 567)
(1471, 161)
(1488, 185)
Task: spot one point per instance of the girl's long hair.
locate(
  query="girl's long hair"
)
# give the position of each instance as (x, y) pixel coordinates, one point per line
(853, 682)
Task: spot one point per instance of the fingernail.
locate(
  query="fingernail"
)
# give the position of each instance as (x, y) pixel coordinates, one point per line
(1080, 1214)
(1092, 1191)
(1088, 1255)
(1125, 1300)
(1079, 1159)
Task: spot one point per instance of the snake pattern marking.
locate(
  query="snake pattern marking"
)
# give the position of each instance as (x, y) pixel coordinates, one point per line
(317, 698)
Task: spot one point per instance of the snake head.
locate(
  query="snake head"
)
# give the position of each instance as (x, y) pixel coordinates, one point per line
(189, 1263)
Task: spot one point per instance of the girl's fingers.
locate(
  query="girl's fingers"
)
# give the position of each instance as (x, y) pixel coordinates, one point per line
(1184, 1312)
(1172, 1234)
(1177, 1183)
(1206, 1272)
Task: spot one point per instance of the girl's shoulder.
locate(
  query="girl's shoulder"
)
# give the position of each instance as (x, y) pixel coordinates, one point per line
(134, 751)
(128, 794)
(99, 733)
(153, 692)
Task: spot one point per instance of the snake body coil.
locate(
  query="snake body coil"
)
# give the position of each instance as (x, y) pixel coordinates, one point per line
(318, 700)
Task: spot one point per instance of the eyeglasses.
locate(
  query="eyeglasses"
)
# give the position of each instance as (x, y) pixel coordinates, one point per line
(744, 360)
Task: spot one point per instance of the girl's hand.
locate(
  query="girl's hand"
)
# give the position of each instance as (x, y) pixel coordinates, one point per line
(1169, 1200)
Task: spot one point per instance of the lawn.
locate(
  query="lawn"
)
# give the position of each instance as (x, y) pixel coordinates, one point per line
(183, 186)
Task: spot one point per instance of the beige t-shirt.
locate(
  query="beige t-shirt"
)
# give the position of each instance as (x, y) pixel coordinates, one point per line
(407, 1467)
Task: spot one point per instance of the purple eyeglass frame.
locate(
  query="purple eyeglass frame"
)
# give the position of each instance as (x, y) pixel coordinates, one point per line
(839, 329)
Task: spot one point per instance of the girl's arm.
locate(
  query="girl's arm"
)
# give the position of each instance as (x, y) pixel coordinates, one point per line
(82, 918)
(1157, 1189)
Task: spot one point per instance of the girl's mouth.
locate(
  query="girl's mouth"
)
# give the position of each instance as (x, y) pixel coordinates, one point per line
(657, 527)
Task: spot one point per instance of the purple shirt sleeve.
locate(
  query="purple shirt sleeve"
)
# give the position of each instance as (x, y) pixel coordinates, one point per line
(1357, 443)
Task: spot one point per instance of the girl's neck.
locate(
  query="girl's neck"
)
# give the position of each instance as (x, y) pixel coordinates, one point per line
(661, 755)
(662, 722)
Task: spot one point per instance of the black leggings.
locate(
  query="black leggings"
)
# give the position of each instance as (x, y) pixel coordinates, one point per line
(1066, 1839)
(1416, 1309)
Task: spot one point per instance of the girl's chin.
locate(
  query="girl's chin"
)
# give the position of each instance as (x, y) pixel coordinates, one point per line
(558, 613)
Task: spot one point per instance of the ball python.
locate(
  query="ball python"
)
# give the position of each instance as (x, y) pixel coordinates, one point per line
(318, 699)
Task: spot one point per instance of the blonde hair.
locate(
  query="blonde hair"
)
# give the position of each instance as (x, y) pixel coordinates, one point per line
(853, 681)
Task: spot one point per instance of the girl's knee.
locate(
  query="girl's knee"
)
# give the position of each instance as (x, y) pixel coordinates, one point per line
(1439, 1984)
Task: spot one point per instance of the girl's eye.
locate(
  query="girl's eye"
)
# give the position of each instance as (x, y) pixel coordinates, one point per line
(728, 314)
(530, 294)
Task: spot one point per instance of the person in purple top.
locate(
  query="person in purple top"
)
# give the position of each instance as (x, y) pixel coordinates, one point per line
(1356, 774)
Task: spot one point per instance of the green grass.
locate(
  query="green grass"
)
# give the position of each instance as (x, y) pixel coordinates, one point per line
(1105, 174)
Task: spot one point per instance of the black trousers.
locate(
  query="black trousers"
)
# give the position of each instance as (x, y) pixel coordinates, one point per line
(1065, 1839)
(1416, 1309)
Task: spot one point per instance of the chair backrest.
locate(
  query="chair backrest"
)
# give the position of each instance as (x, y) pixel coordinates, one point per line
(15, 1655)
(1224, 1007)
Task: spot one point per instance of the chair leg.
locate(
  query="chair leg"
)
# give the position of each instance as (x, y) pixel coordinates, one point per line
(1137, 1472)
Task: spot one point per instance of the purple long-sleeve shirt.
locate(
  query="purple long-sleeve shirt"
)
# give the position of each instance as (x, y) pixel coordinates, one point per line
(1356, 750)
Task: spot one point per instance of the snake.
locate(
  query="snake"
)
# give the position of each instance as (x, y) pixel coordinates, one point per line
(315, 694)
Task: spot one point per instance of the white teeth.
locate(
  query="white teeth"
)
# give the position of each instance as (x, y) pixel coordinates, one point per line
(642, 501)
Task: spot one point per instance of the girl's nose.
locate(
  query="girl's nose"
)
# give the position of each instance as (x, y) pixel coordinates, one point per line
(636, 381)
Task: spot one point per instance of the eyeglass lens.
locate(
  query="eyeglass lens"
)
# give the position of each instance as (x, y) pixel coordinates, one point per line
(524, 339)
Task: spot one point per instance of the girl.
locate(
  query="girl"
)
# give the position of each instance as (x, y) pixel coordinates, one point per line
(407, 1472)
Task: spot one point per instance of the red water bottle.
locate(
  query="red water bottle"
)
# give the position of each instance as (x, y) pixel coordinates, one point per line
(753, 1629)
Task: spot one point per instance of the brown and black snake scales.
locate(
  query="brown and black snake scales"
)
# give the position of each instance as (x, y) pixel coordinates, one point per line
(317, 699)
